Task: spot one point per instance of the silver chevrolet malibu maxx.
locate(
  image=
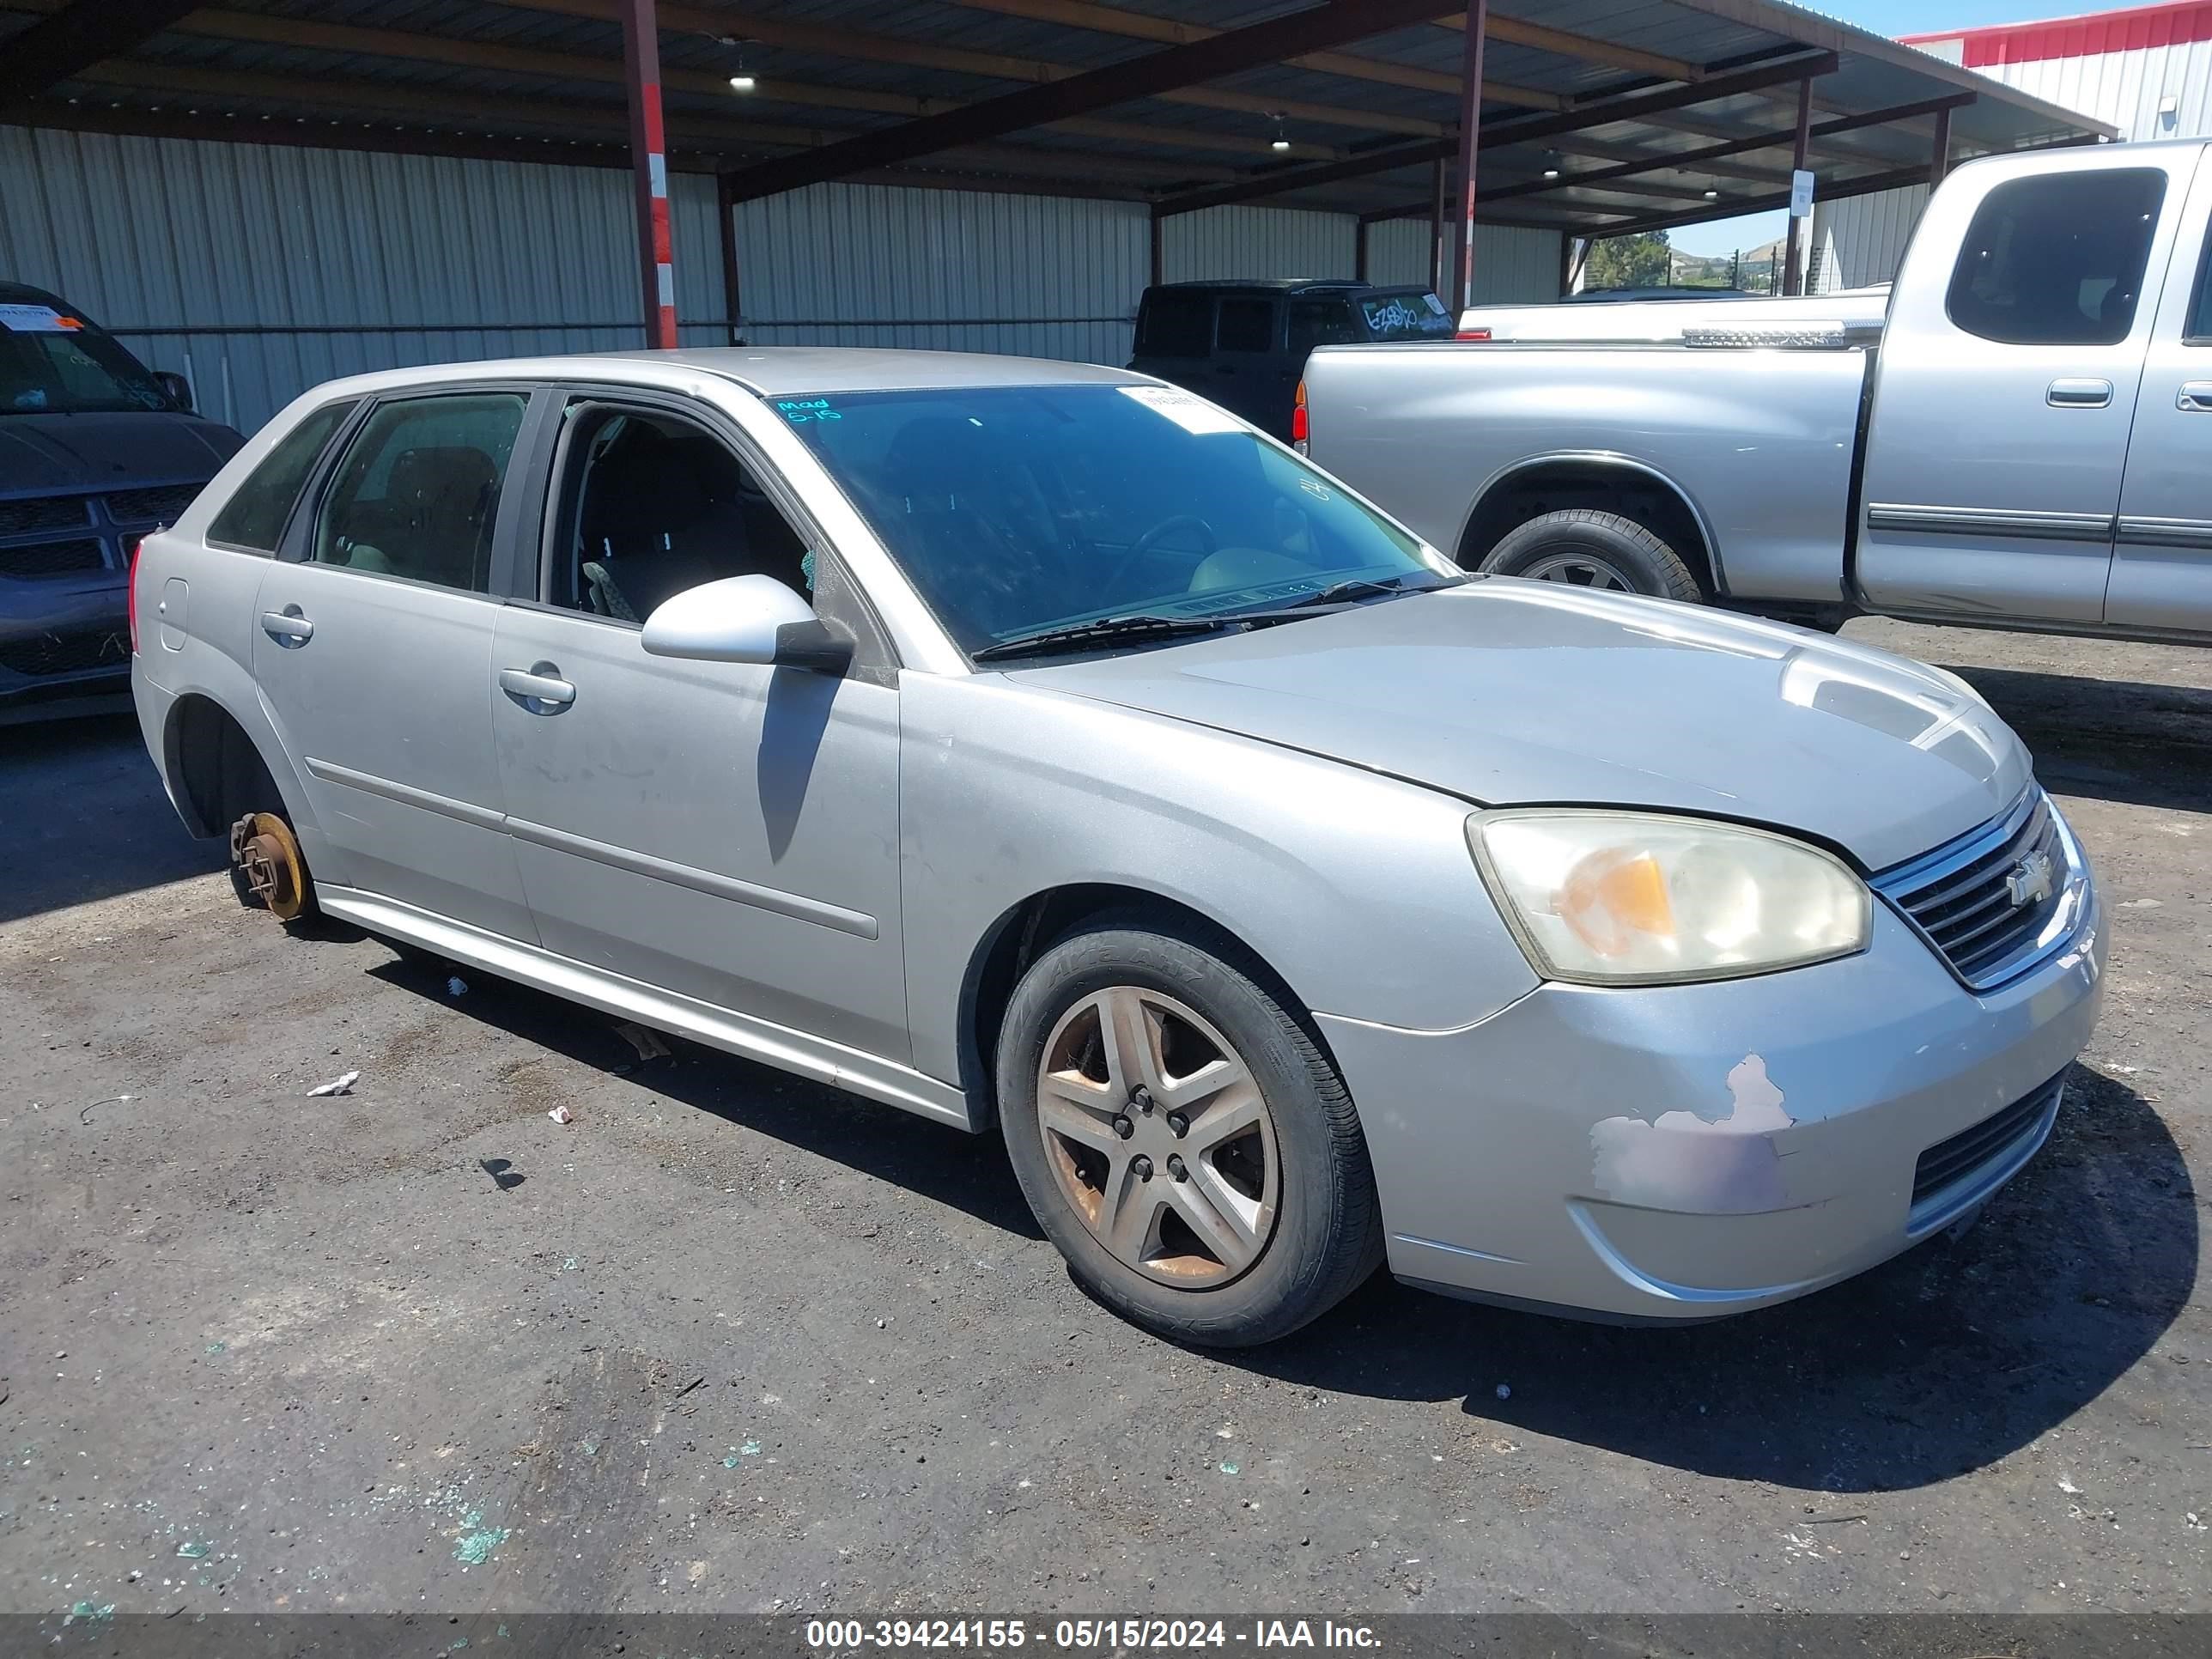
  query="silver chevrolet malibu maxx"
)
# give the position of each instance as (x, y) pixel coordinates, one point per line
(1032, 743)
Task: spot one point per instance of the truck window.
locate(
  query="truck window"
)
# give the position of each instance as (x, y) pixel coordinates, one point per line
(1248, 326)
(2058, 260)
(1319, 323)
(1175, 326)
(1414, 316)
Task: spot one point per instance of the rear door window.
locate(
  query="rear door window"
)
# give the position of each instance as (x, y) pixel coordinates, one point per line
(1175, 326)
(1247, 325)
(2058, 260)
(254, 516)
(417, 493)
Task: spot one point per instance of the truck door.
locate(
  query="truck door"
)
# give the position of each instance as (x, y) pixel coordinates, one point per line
(2162, 567)
(1252, 377)
(2007, 386)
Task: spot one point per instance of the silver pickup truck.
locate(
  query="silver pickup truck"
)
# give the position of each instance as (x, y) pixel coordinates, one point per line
(2018, 436)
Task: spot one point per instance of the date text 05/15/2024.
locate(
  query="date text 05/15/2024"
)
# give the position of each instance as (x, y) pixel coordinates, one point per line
(1006, 1635)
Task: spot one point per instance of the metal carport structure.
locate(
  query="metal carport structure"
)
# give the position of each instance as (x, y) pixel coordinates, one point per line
(1589, 117)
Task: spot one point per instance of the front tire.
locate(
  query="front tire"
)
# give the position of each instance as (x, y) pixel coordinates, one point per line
(1182, 1138)
(1581, 547)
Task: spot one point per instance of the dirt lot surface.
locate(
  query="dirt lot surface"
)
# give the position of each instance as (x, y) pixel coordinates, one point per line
(730, 1341)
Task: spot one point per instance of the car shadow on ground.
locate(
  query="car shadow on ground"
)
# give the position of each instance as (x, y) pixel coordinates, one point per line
(967, 1172)
(83, 817)
(2117, 740)
(1940, 1362)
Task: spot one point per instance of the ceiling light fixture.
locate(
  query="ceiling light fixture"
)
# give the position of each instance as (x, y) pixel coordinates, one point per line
(1712, 196)
(741, 79)
(1281, 141)
(1551, 164)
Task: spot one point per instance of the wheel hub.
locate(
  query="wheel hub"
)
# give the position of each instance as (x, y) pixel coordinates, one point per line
(1159, 1136)
(267, 854)
(1580, 570)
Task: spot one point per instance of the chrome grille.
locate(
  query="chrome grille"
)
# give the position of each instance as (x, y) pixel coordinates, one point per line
(42, 512)
(1995, 902)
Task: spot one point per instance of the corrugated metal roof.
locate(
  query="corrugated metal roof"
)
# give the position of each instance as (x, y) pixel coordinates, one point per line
(819, 58)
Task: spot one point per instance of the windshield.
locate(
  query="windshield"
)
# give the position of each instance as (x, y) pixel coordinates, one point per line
(51, 364)
(1412, 315)
(1015, 509)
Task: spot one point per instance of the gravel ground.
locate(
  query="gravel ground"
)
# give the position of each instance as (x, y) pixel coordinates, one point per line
(733, 1342)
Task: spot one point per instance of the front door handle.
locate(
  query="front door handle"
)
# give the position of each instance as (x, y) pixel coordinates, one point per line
(287, 627)
(2195, 398)
(538, 687)
(2079, 394)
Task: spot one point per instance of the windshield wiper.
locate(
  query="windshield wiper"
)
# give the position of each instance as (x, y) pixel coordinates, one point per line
(1076, 635)
(1360, 587)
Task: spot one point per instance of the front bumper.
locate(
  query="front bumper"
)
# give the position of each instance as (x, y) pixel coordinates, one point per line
(1681, 1153)
(63, 640)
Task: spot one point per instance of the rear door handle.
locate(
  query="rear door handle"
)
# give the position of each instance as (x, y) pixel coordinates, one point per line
(540, 688)
(2079, 394)
(287, 627)
(2196, 397)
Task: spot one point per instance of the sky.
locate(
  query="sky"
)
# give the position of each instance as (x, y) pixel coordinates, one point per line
(1891, 17)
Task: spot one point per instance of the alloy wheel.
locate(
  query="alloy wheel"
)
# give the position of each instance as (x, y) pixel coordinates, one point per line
(1579, 570)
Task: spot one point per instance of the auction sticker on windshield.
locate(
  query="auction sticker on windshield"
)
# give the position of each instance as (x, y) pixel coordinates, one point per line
(36, 319)
(1191, 413)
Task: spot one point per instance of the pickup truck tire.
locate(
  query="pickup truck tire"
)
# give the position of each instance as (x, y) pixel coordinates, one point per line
(1582, 547)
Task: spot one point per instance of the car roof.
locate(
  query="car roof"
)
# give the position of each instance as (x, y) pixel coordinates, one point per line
(1265, 285)
(767, 371)
(22, 294)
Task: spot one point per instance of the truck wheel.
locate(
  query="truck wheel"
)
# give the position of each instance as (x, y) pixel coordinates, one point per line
(1180, 1138)
(1585, 547)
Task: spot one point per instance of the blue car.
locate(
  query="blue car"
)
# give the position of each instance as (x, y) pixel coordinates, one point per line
(95, 450)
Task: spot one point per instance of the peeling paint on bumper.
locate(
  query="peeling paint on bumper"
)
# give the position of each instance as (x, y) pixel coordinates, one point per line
(1681, 1153)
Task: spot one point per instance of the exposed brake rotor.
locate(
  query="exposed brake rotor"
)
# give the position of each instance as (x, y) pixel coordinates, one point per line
(266, 853)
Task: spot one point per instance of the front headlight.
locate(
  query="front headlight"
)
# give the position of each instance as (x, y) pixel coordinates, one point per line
(1636, 898)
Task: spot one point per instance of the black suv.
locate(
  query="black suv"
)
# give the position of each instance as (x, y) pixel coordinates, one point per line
(95, 450)
(1243, 345)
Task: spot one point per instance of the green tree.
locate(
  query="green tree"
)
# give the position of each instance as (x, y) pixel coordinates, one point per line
(1627, 262)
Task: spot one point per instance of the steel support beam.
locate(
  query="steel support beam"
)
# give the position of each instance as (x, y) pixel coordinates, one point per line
(1437, 267)
(726, 218)
(1159, 255)
(1517, 130)
(1793, 279)
(1832, 191)
(648, 146)
(1940, 159)
(1688, 161)
(1269, 42)
(1359, 252)
(1470, 154)
(79, 35)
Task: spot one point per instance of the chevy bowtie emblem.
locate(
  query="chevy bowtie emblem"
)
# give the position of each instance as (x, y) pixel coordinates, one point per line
(2028, 882)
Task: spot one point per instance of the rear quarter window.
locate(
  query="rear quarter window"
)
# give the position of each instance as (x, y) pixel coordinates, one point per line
(1411, 316)
(1175, 326)
(255, 515)
(2057, 260)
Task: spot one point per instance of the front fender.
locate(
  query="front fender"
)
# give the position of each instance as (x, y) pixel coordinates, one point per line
(1356, 889)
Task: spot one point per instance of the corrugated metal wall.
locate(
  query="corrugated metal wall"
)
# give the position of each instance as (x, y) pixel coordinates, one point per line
(263, 268)
(260, 269)
(1511, 266)
(2126, 87)
(1863, 240)
(1255, 242)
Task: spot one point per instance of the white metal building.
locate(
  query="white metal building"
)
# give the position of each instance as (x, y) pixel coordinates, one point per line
(2146, 70)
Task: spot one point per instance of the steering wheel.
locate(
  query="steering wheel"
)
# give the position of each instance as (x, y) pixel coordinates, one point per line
(1152, 538)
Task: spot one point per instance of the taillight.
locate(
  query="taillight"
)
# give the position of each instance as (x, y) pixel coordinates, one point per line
(136, 543)
(1473, 334)
(1298, 423)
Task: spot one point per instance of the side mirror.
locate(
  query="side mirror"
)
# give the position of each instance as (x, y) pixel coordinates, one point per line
(174, 387)
(754, 619)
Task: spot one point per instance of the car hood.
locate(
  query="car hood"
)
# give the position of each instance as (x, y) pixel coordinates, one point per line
(45, 454)
(1511, 693)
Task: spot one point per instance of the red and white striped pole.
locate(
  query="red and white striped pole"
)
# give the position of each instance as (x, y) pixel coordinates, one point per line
(649, 163)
